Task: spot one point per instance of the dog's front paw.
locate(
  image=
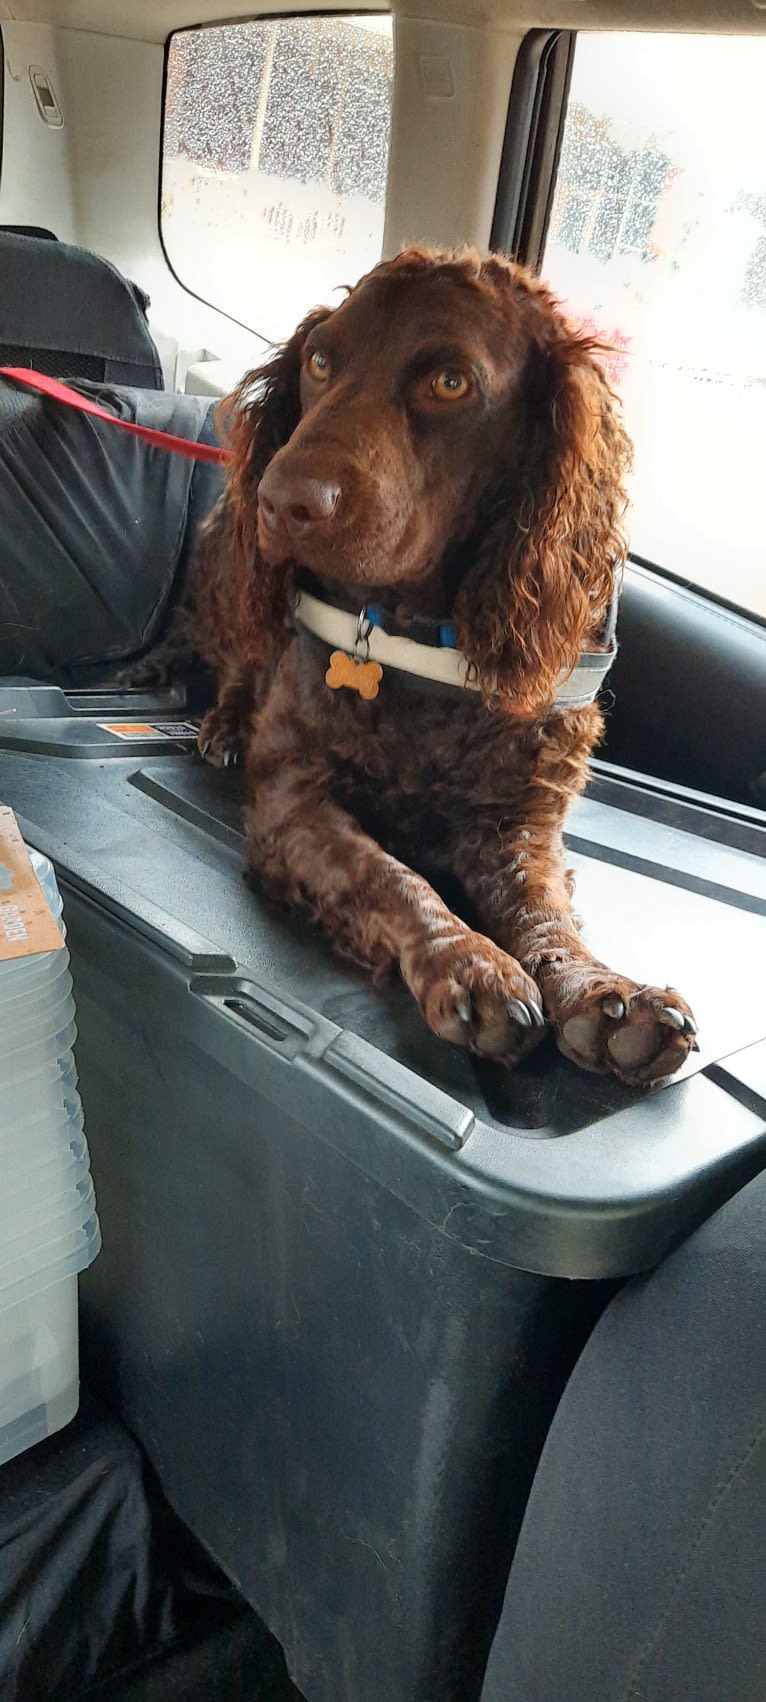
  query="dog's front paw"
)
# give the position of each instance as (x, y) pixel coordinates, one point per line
(219, 740)
(474, 994)
(642, 1034)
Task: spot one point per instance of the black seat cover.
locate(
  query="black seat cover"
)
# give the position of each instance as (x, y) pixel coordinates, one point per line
(95, 526)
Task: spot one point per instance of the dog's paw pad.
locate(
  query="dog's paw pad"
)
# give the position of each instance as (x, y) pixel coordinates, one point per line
(636, 1032)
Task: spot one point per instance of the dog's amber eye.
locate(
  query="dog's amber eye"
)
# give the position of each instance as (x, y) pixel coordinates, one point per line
(319, 367)
(449, 386)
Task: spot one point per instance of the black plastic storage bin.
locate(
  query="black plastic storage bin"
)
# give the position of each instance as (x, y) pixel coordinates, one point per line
(335, 1300)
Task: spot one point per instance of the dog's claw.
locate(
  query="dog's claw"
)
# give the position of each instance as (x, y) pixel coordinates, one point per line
(613, 1006)
(519, 1012)
(672, 1018)
(538, 1014)
(695, 1046)
(204, 748)
(463, 1007)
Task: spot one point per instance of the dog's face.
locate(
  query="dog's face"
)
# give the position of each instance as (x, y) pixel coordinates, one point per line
(410, 407)
(445, 430)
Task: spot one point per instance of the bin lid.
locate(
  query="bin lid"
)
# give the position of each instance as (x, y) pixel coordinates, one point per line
(544, 1167)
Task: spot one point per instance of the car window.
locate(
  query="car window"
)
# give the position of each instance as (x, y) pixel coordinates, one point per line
(275, 154)
(657, 239)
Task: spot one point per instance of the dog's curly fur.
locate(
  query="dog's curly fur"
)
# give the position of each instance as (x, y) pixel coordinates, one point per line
(502, 511)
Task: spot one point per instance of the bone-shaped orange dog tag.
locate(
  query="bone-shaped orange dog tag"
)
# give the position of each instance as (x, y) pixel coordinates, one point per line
(364, 677)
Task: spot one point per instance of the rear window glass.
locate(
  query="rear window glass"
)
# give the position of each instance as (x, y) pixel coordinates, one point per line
(275, 155)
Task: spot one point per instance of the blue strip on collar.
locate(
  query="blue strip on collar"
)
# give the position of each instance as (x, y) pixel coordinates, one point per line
(447, 639)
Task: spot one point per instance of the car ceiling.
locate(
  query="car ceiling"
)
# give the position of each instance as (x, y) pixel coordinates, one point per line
(153, 20)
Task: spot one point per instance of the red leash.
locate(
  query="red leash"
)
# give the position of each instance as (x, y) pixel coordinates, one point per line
(72, 398)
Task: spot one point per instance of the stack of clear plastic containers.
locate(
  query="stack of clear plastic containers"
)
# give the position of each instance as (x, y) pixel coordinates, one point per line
(49, 1229)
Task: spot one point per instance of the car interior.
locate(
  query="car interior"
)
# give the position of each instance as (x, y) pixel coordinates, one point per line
(347, 1277)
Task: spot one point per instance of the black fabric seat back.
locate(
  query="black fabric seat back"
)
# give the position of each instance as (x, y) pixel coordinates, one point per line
(96, 527)
(72, 315)
(31, 230)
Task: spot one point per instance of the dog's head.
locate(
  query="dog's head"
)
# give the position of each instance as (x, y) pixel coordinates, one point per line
(445, 420)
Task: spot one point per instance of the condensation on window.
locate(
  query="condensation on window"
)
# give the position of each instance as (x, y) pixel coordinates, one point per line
(657, 240)
(275, 157)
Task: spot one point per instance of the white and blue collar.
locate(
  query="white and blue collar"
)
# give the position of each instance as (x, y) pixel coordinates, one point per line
(363, 639)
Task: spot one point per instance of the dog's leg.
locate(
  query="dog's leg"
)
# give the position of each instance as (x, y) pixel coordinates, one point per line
(377, 911)
(223, 728)
(602, 1021)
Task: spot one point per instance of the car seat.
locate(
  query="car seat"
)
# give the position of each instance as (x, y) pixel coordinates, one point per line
(71, 314)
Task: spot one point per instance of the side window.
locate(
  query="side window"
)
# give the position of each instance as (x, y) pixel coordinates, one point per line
(657, 240)
(275, 154)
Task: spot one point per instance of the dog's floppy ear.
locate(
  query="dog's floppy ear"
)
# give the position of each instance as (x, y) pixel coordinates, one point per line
(255, 421)
(264, 410)
(552, 542)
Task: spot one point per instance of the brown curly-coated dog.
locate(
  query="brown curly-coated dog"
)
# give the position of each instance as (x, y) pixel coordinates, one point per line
(445, 445)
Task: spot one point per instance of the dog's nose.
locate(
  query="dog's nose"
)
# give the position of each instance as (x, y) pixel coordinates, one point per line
(296, 501)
